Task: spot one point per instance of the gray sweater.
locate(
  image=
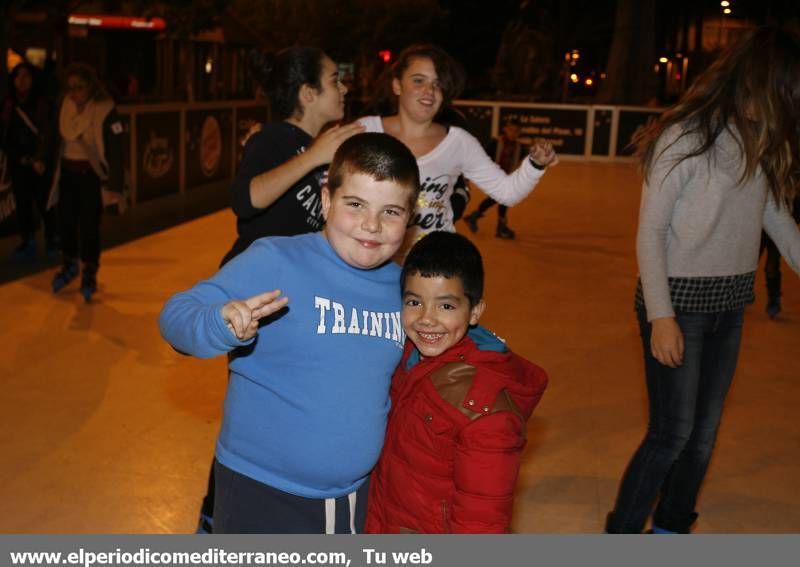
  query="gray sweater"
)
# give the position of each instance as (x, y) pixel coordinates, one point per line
(698, 220)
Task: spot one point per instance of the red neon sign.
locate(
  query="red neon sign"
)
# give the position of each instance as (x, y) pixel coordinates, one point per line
(116, 22)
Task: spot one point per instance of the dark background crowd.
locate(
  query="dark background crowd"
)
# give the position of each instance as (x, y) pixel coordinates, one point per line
(526, 50)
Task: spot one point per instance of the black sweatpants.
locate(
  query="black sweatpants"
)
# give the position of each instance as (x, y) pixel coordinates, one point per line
(245, 506)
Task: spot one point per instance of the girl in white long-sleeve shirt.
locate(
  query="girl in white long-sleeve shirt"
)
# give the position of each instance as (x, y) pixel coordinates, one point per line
(424, 80)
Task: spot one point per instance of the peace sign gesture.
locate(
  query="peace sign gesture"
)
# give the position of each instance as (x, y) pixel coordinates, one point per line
(242, 316)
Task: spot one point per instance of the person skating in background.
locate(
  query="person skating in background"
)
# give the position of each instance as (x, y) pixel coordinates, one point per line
(772, 267)
(90, 158)
(28, 136)
(508, 153)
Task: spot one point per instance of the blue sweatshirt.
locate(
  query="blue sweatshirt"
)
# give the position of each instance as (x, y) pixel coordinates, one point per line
(306, 406)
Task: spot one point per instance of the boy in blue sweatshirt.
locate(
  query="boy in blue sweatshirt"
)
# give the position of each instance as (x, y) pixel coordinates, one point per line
(313, 326)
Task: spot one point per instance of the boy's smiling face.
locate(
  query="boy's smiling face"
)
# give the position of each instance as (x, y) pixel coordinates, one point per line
(365, 219)
(437, 313)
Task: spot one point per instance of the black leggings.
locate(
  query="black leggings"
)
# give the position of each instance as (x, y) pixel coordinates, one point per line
(488, 203)
(80, 208)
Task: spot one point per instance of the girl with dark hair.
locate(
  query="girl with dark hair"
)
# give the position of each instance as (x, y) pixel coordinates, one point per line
(718, 166)
(28, 138)
(276, 191)
(90, 158)
(424, 81)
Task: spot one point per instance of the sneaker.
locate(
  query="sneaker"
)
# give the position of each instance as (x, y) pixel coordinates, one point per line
(66, 274)
(25, 252)
(773, 307)
(88, 286)
(206, 525)
(472, 221)
(504, 232)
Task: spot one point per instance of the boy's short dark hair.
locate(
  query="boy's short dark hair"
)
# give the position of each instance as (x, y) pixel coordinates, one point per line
(448, 255)
(381, 156)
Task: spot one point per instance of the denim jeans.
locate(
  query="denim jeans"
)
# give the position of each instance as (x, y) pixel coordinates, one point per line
(685, 409)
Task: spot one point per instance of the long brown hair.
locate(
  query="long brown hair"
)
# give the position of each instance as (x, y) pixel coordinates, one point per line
(754, 89)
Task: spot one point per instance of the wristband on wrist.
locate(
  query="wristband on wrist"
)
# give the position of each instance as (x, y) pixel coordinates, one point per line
(536, 165)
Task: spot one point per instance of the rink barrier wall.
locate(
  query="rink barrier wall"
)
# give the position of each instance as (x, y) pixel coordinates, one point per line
(578, 132)
(176, 148)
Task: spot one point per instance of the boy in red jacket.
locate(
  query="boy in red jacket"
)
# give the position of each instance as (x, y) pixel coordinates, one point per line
(460, 401)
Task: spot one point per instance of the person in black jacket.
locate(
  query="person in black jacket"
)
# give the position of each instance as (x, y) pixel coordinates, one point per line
(276, 191)
(90, 158)
(27, 136)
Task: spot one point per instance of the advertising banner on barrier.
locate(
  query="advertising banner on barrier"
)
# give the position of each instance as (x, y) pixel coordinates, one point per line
(565, 128)
(208, 146)
(478, 120)
(213, 136)
(601, 131)
(630, 120)
(157, 149)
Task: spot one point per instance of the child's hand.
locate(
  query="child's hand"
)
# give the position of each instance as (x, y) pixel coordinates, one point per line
(242, 316)
(326, 144)
(543, 154)
(666, 341)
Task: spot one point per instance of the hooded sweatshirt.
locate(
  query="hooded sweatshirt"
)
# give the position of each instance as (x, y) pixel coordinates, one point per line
(454, 439)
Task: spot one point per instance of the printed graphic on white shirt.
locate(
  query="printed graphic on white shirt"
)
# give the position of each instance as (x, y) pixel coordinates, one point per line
(433, 204)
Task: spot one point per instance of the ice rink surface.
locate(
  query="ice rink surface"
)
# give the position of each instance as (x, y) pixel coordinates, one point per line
(105, 429)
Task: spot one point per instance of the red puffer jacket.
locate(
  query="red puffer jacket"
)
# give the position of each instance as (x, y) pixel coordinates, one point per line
(453, 443)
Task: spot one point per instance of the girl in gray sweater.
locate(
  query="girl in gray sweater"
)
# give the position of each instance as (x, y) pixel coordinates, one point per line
(718, 166)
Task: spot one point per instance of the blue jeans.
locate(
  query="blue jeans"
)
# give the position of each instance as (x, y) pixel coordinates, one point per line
(685, 409)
